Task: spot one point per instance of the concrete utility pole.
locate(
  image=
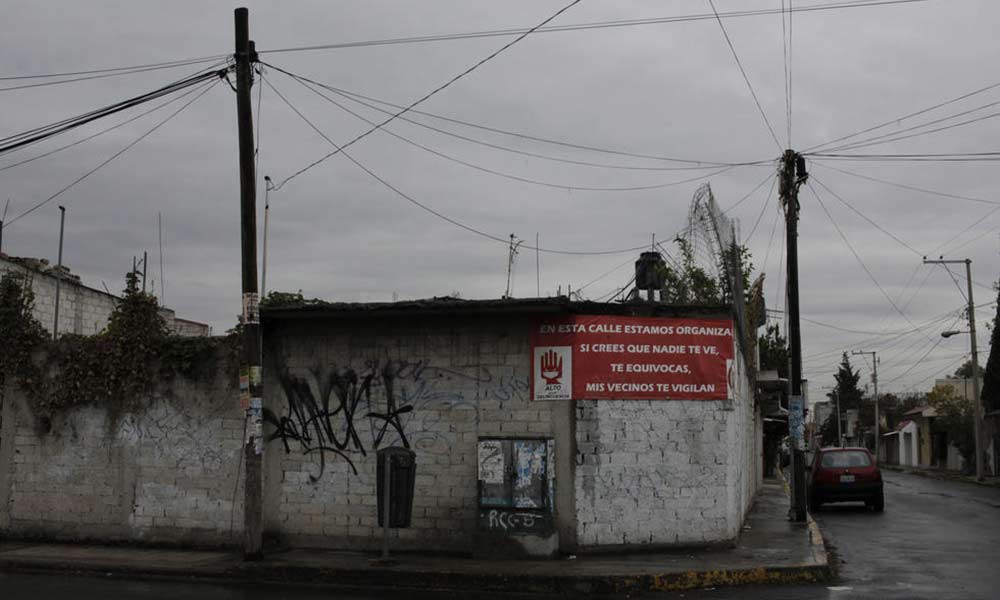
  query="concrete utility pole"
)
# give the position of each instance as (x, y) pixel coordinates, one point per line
(793, 174)
(251, 396)
(875, 384)
(62, 223)
(977, 403)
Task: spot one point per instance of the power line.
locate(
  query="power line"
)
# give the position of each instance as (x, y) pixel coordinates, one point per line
(454, 159)
(99, 133)
(873, 140)
(858, 257)
(739, 64)
(904, 373)
(185, 61)
(763, 209)
(906, 186)
(516, 134)
(433, 92)
(911, 135)
(370, 104)
(908, 116)
(204, 90)
(427, 208)
(938, 157)
(865, 217)
(586, 26)
(117, 73)
(37, 134)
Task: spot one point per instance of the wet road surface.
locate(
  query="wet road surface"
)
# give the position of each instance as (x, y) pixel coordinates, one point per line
(935, 540)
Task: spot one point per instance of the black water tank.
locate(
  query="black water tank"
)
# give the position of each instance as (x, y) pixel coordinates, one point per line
(649, 271)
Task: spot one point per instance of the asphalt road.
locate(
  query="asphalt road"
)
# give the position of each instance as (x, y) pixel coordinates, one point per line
(935, 540)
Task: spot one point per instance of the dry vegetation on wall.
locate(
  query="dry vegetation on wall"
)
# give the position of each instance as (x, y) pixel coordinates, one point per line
(117, 369)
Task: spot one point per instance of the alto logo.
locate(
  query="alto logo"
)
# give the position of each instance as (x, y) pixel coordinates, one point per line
(553, 373)
(551, 367)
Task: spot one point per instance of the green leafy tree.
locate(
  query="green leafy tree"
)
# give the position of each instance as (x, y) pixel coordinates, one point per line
(965, 371)
(687, 283)
(955, 417)
(773, 351)
(21, 333)
(851, 398)
(991, 375)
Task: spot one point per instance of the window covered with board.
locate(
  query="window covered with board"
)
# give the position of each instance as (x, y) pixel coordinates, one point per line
(516, 484)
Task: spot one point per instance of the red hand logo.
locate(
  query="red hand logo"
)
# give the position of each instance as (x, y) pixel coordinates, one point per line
(552, 367)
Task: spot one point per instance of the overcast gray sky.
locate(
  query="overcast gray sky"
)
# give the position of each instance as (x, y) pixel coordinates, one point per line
(665, 89)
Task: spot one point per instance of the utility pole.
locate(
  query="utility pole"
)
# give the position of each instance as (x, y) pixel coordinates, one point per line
(793, 174)
(145, 256)
(875, 384)
(251, 396)
(977, 403)
(62, 222)
(511, 254)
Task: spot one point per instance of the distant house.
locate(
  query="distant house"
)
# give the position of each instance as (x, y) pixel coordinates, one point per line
(83, 310)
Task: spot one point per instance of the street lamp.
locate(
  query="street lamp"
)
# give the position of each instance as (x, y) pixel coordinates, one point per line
(977, 404)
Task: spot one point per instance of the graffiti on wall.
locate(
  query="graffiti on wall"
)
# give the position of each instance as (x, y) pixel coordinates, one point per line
(343, 413)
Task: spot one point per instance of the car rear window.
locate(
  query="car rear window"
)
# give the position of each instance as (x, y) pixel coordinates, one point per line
(845, 458)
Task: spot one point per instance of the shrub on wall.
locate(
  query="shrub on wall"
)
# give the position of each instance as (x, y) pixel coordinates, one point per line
(117, 369)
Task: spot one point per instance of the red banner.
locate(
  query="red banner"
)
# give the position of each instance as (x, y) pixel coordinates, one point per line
(585, 357)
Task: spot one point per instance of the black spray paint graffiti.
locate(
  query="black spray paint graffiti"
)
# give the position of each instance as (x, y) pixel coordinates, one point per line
(326, 418)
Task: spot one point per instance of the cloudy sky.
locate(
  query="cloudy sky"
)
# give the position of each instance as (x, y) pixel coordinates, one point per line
(666, 90)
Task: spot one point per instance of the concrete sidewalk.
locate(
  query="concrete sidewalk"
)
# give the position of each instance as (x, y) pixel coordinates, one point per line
(770, 550)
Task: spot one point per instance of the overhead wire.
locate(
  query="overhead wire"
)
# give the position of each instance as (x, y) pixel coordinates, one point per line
(587, 26)
(36, 134)
(370, 102)
(427, 208)
(866, 218)
(763, 209)
(117, 73)
(433, 92)
(906, 116)
(185, 61)
(498, 173)
(904, 185)
(746, 78)
(857, 256)
(126, 148)
(99, 133)
(833, 152)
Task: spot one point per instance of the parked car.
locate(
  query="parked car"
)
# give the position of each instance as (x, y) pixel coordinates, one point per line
(845, 475)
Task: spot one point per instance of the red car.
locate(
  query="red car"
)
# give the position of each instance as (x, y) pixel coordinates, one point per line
(846, 475)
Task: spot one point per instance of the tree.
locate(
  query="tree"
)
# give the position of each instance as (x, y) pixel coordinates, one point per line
(991, 375)
(686, 282)
(955, 417)
(21, 333)
(773, 351)
(965, 371)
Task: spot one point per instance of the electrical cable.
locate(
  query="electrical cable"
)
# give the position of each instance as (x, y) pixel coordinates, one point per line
(871, 141)
(857, 256)
(905, 137)
(763, 209)
(905, 186)
(454, 159)
(431, 93)
(114, 74)
(108, 70)
(898, 120)
(427, 208)
(15, 141)
(746, 78)
(603, 275)
(204, 90)
(989, 156)
(957, 285)
(369, 104)
(871, 222)
(904, 373)
(99, 133)
(587, 26)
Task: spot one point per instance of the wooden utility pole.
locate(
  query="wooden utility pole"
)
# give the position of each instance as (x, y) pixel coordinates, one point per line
(977, 402)
(251, 396)
(875, 383)
(793, 174)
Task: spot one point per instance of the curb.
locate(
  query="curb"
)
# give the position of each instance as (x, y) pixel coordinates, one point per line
(389, 580)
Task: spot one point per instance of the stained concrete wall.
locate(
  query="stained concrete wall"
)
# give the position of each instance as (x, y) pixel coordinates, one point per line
(165, 475)
(435, 384)
(653, 473)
